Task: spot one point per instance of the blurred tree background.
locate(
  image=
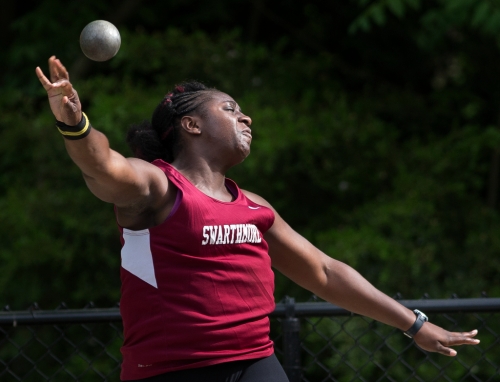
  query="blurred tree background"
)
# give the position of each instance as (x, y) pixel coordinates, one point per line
(376, 133)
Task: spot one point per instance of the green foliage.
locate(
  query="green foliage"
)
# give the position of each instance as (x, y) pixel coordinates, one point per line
(376, 12)
(379, 151)
(443, 15)
(380, 147)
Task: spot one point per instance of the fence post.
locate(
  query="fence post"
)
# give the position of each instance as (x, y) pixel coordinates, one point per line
(291, 342)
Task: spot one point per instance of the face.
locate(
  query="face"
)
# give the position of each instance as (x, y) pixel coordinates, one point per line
(226, 127)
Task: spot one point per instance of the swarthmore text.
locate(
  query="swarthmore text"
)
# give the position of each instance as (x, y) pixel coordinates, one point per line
(230, 234)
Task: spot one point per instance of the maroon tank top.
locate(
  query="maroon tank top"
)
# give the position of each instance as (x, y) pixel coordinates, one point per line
(198, 288)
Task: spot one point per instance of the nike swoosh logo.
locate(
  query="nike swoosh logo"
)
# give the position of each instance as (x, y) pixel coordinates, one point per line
(253, 208)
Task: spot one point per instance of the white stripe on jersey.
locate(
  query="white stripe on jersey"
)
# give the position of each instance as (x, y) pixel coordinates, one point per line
(137, 257)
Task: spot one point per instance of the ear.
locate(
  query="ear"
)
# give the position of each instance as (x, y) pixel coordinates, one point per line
(191, 124)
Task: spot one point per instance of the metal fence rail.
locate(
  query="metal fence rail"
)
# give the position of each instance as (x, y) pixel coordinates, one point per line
(315, 341)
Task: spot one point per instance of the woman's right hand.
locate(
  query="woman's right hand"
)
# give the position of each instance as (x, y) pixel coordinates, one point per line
(63, 99)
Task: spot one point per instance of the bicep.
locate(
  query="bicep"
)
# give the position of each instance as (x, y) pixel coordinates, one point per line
(295, 257)
(127, 181)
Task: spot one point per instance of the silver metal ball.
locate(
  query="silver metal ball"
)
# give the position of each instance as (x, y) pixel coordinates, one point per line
(100, 40)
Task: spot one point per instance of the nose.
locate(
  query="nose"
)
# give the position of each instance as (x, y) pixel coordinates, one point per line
(245, 119)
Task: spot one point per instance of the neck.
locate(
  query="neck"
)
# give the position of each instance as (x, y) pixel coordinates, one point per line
(204, 175)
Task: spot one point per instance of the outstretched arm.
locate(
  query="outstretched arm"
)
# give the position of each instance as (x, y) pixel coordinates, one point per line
(131, 184)
(338, 283)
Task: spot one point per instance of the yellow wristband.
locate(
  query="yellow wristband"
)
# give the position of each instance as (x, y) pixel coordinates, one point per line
(75, 132)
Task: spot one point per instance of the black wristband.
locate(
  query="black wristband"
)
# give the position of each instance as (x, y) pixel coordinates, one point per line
(75, 132)
(419, 322)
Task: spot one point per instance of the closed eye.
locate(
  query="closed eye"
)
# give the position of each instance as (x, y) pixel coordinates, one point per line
(231, 106)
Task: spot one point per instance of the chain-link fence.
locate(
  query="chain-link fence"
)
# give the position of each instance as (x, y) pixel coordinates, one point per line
(315, 341)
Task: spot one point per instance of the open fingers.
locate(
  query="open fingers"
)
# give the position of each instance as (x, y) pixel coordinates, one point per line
(463, 338)
(43, 80)
(57, 70)
(435, 339)
(446, 351)
(67, 89)
(456, 339)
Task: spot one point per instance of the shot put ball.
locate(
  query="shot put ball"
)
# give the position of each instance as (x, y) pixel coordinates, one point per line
(100, 40)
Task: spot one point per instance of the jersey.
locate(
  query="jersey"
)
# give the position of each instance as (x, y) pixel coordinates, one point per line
(198, 288)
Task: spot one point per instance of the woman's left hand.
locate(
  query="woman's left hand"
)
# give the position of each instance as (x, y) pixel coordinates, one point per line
(433, 338)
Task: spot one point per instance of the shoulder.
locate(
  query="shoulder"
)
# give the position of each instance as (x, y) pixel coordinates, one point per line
(278, 223)
(149, 178)
(152, 203)
(257, 199)
(280, 233)
(268, 213)
(142, 165)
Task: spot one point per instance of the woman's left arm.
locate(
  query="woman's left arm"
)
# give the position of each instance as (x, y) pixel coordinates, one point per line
(338, 283)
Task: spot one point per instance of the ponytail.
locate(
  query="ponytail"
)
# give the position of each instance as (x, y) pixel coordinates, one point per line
(160, 139)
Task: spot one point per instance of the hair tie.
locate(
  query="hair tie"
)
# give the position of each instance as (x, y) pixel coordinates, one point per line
(167, 99)
(180, 88)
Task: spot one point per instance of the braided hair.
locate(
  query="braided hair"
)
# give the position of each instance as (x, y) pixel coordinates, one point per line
(160, 138)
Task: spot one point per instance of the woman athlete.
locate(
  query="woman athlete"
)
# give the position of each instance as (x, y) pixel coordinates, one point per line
(197, 284)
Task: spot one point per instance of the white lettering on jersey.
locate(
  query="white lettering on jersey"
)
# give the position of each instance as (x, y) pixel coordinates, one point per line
(233, 228)
(219, 238)
(238, 233)
(213, 233)
(230, 234)
(253, 236)
(205, 235)
(244, 238)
